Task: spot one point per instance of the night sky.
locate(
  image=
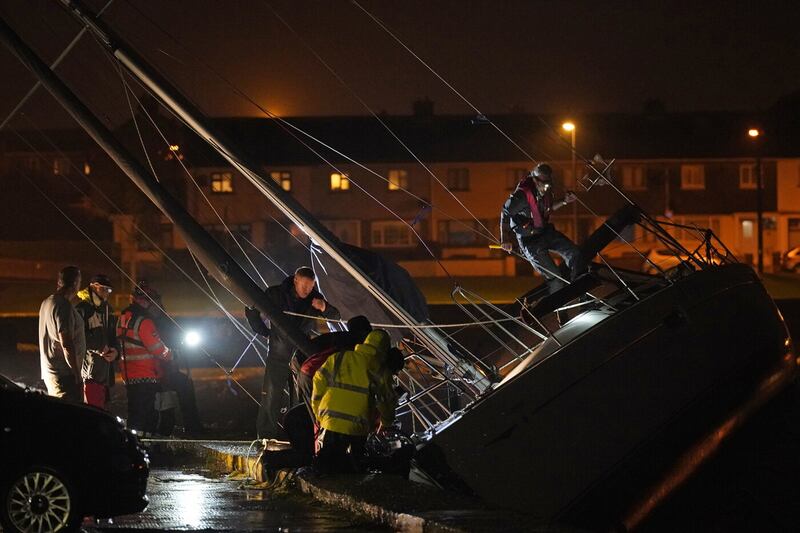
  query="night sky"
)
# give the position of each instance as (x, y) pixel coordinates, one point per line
(538, 56)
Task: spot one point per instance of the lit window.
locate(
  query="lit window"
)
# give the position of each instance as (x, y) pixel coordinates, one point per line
(514, 176)
(340, 182)
(747, 176)
(634, 177)
(60, 166)
(222, 182)
(747, 229)
(284, 179)
(87, 168)
(398, 179)
(693, 177)
(458, 179)
(391, 233)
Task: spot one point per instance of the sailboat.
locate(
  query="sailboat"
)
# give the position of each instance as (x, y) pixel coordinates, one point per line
(592, 422)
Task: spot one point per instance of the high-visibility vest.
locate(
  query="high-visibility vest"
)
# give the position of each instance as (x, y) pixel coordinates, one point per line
(348, 390)
(142, 350)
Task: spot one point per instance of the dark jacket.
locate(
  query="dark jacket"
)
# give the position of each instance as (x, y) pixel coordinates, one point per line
(100, 328)
(516, 214)
(285, 298)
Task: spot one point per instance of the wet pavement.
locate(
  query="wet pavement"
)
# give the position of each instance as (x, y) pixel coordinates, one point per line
(186, 501)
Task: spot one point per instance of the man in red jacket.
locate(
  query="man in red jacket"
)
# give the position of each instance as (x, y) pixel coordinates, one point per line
(141, 354)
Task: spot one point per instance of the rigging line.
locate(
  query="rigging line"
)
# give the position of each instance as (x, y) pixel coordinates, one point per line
(158, 250)
(208, 67)
(382, 122)
(432, 71)
(155, 245)
(238, 325)
(185, 169)
(400, 326)
(128, 93)
(121, 270)
(619, 236)
(118, 209)
(665, 237)
(267, 257)
(235, 89)
(136, 126)
(411, 228)
(53, 66)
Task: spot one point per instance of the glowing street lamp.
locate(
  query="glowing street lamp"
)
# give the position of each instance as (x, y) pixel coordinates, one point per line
(569, 126)
(754, 134)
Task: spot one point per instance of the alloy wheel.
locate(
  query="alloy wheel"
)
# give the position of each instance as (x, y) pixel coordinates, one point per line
(39, 502)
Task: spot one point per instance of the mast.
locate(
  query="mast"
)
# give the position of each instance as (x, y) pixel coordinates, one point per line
(221, 265)
(192, 117)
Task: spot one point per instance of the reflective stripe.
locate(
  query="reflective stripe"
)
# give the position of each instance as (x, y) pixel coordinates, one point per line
(157, 347)
(325, 372)
(343, 416)
(351, 388)
(141, 357)
(341, 385)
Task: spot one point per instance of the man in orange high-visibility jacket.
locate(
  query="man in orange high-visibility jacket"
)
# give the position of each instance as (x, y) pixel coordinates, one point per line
(141, 355)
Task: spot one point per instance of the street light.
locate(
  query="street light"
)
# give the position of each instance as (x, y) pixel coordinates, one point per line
(754, 134)
(570, 127)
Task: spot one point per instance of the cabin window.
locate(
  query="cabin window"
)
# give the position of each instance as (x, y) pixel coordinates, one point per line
(398, 180)
(282, 178)
(514, 176)
(693, 177)
(748, 179)
(340, 182)
(634, 177)
(222, 182)
(458, 179)
(391, 233)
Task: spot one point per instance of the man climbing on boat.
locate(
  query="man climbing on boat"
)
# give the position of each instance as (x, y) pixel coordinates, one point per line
(526, 214)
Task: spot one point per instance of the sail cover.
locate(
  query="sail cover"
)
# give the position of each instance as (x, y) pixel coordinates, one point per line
(339, 287)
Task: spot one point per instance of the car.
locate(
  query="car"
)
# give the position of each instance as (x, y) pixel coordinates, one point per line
(666, 259)
(60, 462)
(791, 260)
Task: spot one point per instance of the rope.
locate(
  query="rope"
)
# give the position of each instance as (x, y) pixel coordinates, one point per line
(396, 326)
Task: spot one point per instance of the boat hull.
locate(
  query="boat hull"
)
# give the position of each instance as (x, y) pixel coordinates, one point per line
(597, 433)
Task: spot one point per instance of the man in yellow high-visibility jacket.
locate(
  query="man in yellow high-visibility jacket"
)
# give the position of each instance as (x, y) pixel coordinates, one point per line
(348, 390)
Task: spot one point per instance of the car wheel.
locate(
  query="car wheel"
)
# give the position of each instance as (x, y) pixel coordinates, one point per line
(38, 500)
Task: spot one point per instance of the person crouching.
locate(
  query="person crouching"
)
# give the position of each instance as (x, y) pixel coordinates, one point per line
(347, 391)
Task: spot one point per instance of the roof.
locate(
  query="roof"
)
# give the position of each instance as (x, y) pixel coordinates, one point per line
(713, 135)
(697, 135)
